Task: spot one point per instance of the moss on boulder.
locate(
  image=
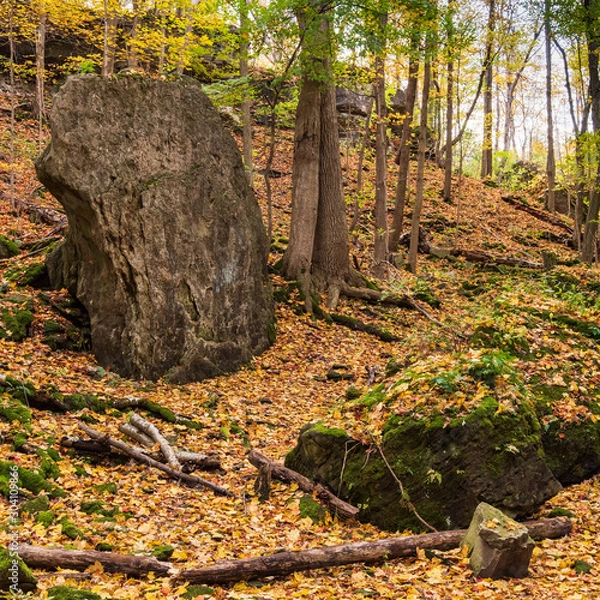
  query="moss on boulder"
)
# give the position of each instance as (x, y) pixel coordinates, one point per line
(446, 466)
(65, 592)
(27, 480)
(8, 248)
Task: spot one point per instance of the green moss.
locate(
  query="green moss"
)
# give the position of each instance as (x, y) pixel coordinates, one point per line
(582, 567)
(106, 488)
(103, 547)
(561, 512)
(309, 507)
(19, 390)
(95, 507)
(329, 431)
(36, 505)
(374, 396)
(272, 332)
(12, 410)
(353, 393)
(46, 518)
(25, 579)
(70, 530)
(163, 552)
(8, 248)
(19, 440)
(194, 591)
(160, 411)
(65, 592)
(27, 480)
(34, 275)
(17, 323)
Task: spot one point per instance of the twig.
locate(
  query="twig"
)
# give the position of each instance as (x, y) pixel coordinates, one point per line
(405, 497)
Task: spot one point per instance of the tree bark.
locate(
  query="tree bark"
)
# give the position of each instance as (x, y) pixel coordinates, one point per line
(40, 76)
(486, 152)
(550, 160)
(246, 115)
(381, 227)
(403, 156)
(317, 254)
(590, 234)
(447, 193)
(333, 503)
(420, 184)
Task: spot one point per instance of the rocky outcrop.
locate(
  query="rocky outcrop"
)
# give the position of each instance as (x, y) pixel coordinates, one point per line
(166, 248)
(446, 468)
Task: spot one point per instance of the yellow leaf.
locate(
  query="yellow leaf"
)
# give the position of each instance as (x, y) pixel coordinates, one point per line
(179, 555)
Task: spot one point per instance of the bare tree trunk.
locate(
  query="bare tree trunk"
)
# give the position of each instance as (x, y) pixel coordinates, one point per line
(486, 152)
(403, 157)
(381, 226)
(317, 254)
(108, 54)
(590, 234)
(305, 182)
(11, 44)
(40, 64)
(550, 160)
(447, 193)
(246, 115)
(132, 59)
(416, 217)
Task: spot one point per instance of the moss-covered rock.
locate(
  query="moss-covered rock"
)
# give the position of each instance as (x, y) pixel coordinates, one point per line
(27, 480)
(15, 575)
(8, 248)
(46, 518)
(36, 505)
(35, 275)
(12, 410)
(65, 592)
(70, 530)
(446, 466)
(16, 322)
(309, 507)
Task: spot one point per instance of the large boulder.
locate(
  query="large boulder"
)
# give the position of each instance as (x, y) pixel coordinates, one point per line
(166, 247)
(446, 467)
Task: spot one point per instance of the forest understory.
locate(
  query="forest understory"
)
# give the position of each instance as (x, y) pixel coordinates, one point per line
(541, 324)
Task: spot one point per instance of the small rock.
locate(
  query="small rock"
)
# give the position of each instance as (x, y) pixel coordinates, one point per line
(498, 545)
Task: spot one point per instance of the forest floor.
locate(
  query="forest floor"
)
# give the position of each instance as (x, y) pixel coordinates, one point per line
(265, 404)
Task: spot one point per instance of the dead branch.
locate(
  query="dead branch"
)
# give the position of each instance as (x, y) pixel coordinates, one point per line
(191, 480)
(489, 259)
(151, 431)
(333, 503)
(539, 214)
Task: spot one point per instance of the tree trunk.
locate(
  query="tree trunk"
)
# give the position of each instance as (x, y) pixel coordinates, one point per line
(420, 184)
(486, 152)
(40, 63)
(381, 226)
(246, 115)
(403, 157)
(317, 253)
(550, 160)
(590, 234)
(132, 60)
(447, 193)
(13, 135)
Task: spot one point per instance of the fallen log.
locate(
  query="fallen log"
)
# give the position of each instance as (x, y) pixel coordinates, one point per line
(50, 559)
(285, 563)
(191, 480)
(538, 213)
(484, 257)
(279, 564)
(333, 503)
